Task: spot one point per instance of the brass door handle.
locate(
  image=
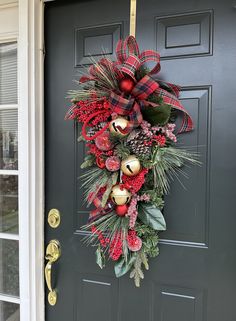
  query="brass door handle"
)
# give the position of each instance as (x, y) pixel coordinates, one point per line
(53, 253)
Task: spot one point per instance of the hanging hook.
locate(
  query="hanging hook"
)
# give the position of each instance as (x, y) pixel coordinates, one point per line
(132, 28)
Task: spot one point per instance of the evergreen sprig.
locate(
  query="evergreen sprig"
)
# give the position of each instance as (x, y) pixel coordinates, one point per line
(93, 179)
(167, 163)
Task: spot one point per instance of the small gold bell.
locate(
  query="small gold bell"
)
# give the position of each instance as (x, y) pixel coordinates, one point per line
(120, 196)
(131, 166)
(116, 123)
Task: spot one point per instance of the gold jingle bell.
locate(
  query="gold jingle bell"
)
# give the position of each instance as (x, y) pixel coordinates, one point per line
(120, 196)
(116, 123)
(131, 166)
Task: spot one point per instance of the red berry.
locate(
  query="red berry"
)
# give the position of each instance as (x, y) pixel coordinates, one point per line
(126, 85)
(121, 210)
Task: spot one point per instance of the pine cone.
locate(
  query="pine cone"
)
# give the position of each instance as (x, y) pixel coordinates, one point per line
(137, 142)
(93, 130)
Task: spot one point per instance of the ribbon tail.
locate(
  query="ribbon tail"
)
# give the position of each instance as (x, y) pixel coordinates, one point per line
(135, 117)
(169, 99)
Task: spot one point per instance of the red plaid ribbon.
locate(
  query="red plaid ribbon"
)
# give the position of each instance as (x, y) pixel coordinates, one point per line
(131, 62)
(134, 60)
(171, 99)
(131, 106)
(99, 210)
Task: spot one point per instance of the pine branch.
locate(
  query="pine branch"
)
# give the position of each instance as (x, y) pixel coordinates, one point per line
(167, 163)
(122, 151)
(93, 180)
(88, 161)
(137, 272)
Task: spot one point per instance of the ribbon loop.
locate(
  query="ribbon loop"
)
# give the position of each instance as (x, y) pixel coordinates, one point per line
(132, 62)
(121, 49)
(130, 66)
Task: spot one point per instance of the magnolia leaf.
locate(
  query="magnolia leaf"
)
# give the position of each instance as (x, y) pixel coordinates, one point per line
(122, 267)
(100, 258)
(152, 216)
(158, 115)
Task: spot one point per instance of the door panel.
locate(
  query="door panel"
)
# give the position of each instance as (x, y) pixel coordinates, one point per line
(198, 251)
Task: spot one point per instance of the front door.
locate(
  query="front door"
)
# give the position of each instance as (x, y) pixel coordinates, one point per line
(194, 277)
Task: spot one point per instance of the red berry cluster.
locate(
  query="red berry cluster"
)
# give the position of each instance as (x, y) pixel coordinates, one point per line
(134, 183)
(131, 236)
(103, 241)
(85, 108)
(160, 140)
(116, 247)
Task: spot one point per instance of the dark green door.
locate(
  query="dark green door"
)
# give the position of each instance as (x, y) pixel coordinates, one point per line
(194, 277)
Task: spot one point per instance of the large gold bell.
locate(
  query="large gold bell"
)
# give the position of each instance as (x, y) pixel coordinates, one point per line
(131, 166)
(120, 196)
(117, 124)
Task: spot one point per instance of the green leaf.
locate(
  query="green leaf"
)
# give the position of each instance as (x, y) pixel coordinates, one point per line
(152, 216)
(157, 115)
(100, 257)
(122, 267)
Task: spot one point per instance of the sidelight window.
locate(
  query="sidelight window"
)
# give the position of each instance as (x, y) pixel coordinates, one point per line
(9, 237)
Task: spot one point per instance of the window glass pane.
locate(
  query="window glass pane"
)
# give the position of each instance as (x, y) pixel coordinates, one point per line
(9, 311)
(9, 204)
(8, 139)
(8, 73)
(9, 267)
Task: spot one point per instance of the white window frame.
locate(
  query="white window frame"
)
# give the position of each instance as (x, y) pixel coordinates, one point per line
(31, 159)
(29, 36)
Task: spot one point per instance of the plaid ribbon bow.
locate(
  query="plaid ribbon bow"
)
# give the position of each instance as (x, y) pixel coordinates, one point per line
(131, 106)
(129, 60)
(130, 63)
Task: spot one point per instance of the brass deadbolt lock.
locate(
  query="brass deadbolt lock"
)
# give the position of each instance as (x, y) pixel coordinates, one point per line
(54, 218)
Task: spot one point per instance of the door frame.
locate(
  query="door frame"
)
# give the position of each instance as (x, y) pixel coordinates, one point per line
(31, 158)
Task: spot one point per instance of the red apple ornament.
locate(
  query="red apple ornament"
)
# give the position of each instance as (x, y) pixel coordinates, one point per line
(112, 163)
(103, 142)
(100, 161)
(126, 85)
(121, 210)
(134, 243)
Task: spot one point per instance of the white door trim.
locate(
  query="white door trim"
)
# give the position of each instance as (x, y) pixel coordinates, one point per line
(31, 159)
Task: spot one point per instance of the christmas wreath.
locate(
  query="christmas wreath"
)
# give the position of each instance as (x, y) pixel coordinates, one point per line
(128, 123)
